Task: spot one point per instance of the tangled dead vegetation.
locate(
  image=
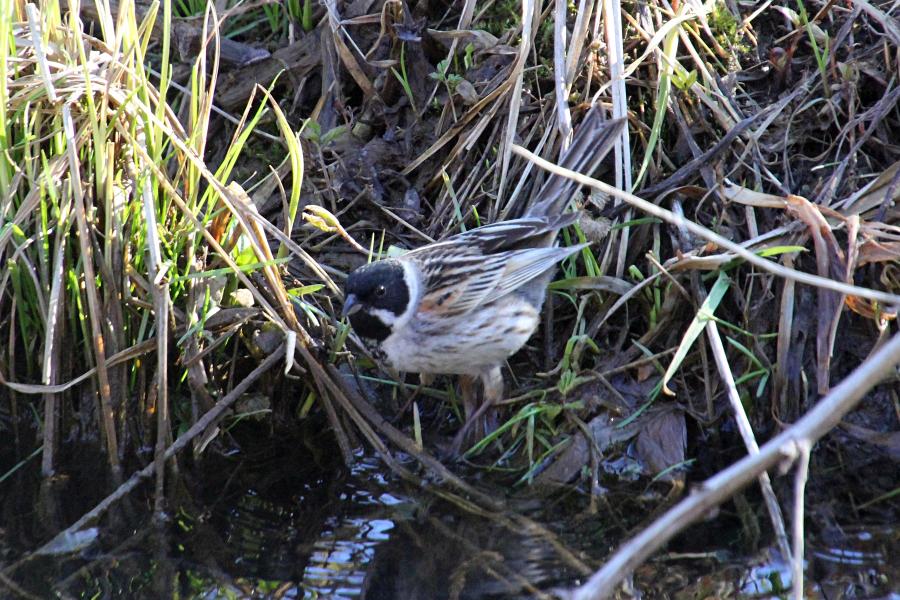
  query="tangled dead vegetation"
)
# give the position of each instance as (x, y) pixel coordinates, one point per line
(744, 260)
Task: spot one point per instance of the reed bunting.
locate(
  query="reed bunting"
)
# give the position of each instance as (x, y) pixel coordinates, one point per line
(465, 304)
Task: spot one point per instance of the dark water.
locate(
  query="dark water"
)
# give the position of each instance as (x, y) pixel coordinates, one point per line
(288, 520)
(355, 534)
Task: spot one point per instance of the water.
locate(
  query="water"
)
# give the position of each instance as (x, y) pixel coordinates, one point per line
(285, 519)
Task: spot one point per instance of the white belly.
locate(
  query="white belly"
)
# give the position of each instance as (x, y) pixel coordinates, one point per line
(465, 345)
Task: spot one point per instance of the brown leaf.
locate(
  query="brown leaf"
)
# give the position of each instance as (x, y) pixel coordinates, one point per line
(467, 92)
(881, 192)
(604, 433)
(831, 263)
(645, 371)
(480, 40)
(872, 251)
(748, 197)
(870, 310)
(662, 441)
(887, 441)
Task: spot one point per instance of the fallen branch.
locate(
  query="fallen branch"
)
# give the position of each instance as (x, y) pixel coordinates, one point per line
(787, 446)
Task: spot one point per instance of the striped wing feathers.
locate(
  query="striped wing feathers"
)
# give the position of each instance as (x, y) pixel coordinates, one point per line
(458, 282)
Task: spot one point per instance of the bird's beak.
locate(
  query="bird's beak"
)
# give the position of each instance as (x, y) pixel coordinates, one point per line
(351, 305)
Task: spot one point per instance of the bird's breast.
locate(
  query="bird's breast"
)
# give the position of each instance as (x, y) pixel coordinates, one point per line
(466, 344)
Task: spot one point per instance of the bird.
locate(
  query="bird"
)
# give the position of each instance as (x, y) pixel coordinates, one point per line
(465, 304)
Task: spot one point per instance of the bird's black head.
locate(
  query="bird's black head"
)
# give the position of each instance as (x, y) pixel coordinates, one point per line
(376, 295)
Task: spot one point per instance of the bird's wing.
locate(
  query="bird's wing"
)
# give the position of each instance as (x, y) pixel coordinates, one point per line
(456, 277)
(457, 282)
(518, 233)
(524, 265)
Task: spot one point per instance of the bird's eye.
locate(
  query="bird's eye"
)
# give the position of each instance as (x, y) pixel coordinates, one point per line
(380, 291)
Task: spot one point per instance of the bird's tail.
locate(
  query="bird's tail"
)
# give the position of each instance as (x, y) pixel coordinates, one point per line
(593, 140)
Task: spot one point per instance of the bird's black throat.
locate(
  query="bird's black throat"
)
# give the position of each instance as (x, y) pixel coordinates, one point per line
(369, 327)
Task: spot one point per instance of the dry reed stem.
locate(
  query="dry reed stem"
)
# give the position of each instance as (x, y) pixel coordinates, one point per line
(160, 293)
(746, 431)
(579, 37)
(563, 116)
(801, 461)
(615, 48)
(107, 416)
(236, 201)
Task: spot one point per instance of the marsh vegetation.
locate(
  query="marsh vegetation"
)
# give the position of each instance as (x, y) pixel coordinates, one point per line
(185, 186)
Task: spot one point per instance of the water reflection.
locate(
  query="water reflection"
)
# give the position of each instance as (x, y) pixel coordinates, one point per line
(357, 537)
(289, 521)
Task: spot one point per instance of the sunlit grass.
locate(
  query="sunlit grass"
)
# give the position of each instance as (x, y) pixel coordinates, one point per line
(108, 205)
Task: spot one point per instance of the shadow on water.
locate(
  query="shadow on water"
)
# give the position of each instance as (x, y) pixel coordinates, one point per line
(286, 520)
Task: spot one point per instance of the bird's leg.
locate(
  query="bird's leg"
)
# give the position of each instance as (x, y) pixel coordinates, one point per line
(469, 395)
(493, 393)
(480, 421)
(425, 379)
(469, 398)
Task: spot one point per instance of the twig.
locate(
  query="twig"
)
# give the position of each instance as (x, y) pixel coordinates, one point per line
(699, 230)
(803, 448)
(827, 413)
(743, 423)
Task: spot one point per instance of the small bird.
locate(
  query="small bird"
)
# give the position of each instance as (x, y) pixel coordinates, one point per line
(465, 304)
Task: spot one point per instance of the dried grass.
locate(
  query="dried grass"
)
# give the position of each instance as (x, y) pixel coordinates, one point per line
(770, 134)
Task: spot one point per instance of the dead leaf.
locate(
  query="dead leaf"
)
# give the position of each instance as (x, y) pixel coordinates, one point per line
(480, 39)
(887, 441)
(605, 432)
(883, 191)
(870, 310)
(748, 197)
(662, 441)
(466, 91)
(645, 371)
(831, 263)
(872, 251)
